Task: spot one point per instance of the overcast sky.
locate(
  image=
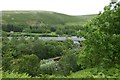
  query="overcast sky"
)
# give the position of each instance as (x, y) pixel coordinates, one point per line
(70, 7)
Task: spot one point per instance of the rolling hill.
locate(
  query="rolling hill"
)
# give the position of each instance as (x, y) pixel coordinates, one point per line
(47, 17)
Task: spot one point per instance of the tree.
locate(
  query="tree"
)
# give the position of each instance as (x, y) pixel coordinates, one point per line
(102, 38)
(68, 63)
(68, 43)
(26, 64)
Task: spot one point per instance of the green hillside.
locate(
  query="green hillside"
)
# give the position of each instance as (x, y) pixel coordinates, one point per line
(25, 55)
(43, 22)
(47, 17)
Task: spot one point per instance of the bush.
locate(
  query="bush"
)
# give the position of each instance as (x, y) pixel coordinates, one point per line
(8, 74)
(68, 63)
(27, 64)
(47, 67)
(96, 73)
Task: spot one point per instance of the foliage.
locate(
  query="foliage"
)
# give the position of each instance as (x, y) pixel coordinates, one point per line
(103, 38)
(69, 43)
(68, 63)
(8, 74)
(96, 73)
(97, 58)
(18, 34)
(47, 67)
(26, 64)
(41, 30)
(12, 27)
(43, 49)
(27, 55)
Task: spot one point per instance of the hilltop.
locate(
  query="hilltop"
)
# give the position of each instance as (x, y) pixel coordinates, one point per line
(47, 17)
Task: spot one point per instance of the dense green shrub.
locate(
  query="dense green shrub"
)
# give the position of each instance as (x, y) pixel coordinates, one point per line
(103, 38)
(12, 27)
(68, 63)
(26, 64)
(47, 67)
